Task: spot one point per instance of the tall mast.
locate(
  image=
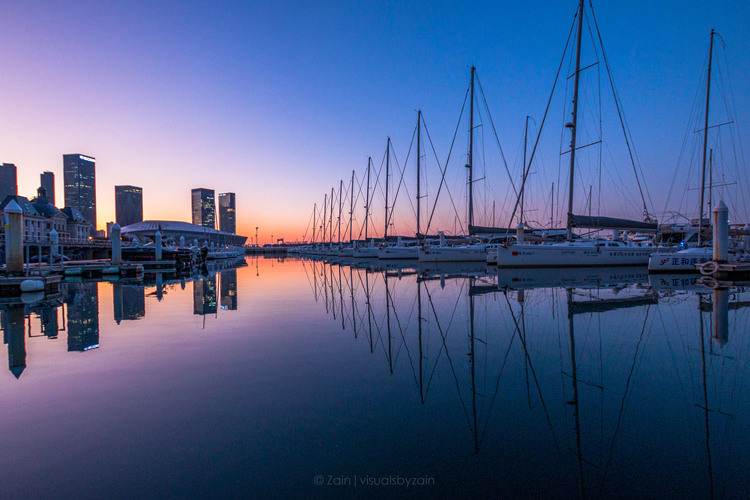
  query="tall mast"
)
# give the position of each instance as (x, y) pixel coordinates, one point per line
(330, 220)
(367, 197)
(419, 154)
(341, 187)
(351, 210)
(574, 120)
(325, 208)
(471, 151)
(387, 172)
(705, 137)
(523, 181)
(315, 219)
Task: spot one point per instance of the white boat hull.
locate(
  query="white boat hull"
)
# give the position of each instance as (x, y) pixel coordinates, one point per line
(388, 253)
(366, 253)
(683, 261)
(571, 255)
(453, 254)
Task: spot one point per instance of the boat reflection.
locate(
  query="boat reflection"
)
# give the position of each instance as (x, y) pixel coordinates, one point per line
(571, 352)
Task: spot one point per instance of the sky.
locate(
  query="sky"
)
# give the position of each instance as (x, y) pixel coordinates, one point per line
(279, 101)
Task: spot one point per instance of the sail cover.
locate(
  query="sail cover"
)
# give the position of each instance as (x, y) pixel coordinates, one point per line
(597, 222)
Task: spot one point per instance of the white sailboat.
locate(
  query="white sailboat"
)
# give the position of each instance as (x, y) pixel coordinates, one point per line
(579, 252)
(460, 253)
(685, 260)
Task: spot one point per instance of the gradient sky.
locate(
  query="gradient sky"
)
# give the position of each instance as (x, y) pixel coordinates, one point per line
(277, 101)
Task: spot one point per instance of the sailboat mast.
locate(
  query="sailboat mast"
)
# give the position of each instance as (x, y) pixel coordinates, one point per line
(341, 187)
(330, 220)
(523, 181)
(574, 120)
(367, 197)
(419, 154)
(705, 137)
(351, 208)
(387, 173)
(471, 151)
(315, 219)
(710, 178)
(325, 208)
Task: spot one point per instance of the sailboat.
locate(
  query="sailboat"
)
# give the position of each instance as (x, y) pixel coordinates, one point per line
(684, 260)
(460, 253)
(410, 249)
(578, 252)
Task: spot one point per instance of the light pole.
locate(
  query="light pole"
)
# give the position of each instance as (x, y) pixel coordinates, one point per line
(256, 236)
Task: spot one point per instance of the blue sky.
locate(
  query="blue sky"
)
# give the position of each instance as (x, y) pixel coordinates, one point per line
(277, 101)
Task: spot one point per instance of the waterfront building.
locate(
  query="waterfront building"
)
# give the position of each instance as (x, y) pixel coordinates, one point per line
(172, 230)
(227, 218)
(128, 205)
(8, 182)
(204, 207)
(47, 181)
(80, 185)
(40, 217)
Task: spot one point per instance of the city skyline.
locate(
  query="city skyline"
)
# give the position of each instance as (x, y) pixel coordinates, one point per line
(281, 143)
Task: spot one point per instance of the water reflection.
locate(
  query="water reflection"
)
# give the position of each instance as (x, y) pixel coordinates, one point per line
(589, 359)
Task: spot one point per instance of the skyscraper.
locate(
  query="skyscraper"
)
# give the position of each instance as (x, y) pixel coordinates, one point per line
(8, 184)
(128, 205)
(47, 181)
(204, 207)
(227, 220)
(80, 185)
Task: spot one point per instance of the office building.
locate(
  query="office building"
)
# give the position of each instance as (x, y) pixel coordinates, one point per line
(80, 185)
(228, 290)
(128, 205)
(204, 295)
(8, 183)
(47, 182)
(227, 220)
(204, 207)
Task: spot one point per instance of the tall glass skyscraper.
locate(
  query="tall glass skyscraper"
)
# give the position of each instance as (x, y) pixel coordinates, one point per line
(47, 181)
(204, 207)
(227, 219)
(8, 184)
(128, 205)
(80, 185)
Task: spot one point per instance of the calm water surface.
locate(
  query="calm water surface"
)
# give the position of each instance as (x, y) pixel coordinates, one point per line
(270, 378)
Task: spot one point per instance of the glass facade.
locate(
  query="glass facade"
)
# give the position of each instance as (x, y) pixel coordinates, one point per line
(128, 205)
(204, 207)
(80, 185)
(227, 219)
(47, 182)
(8, 184)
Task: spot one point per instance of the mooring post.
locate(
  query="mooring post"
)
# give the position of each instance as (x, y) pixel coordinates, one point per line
(519, 233)
(721, 232)
(116, 245)
(13, 239)
(157, 244)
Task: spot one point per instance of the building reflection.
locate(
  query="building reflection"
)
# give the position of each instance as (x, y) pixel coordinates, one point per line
(229, 289)
(13, 335)
(204, 295)
(82, 301)
(134, 302)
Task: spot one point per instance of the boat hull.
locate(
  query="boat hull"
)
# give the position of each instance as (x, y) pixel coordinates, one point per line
(389, 253)
(683, 261)
(453, 254)
(571, 255)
